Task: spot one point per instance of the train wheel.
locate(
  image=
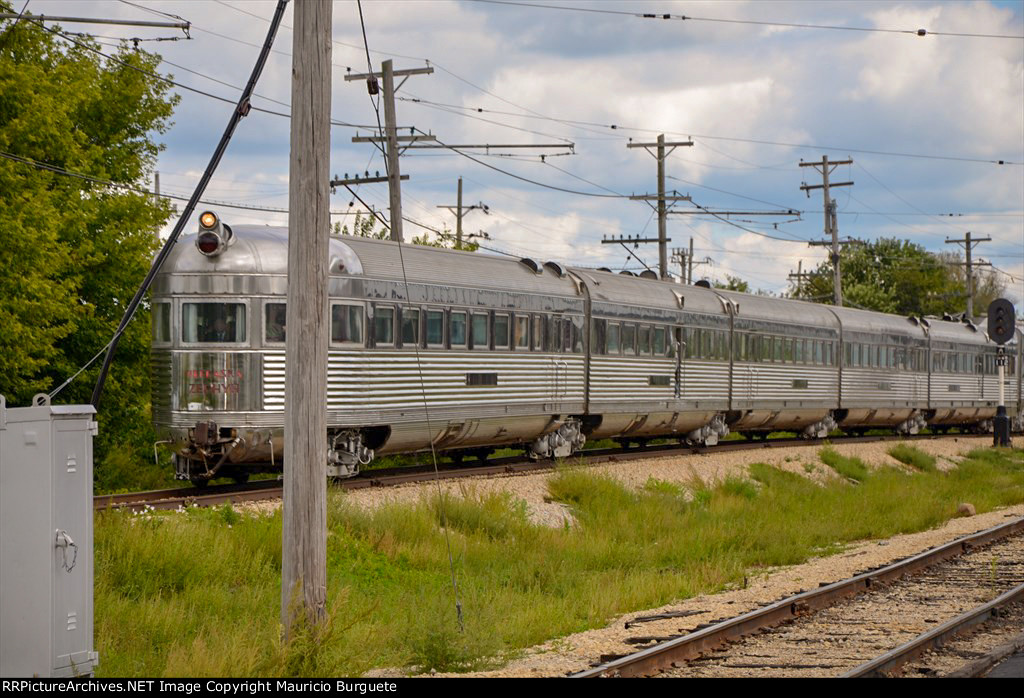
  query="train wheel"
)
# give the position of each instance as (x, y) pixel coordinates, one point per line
(199, 482)
(241, 477)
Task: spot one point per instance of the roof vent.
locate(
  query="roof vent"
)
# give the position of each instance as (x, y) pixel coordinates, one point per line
(557, 268)
(703, 283)
(532, 264)
(649, 274)
(925, 322)
(627, 272)
(912, 319)
(605, 269)
(948, 318)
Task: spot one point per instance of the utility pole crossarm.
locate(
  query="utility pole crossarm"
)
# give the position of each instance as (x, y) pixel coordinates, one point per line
(400, 139)
(349, 77)
(809, 187)
(496, 146)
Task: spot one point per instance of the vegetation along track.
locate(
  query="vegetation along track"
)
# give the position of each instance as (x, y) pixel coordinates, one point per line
(867, 625)
(271, 489)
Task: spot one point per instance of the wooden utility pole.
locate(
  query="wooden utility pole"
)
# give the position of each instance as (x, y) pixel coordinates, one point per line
(831, 219)
(969, 243)
(390, 135)
(459, 210)
(304, 507)
(689, 258)
(660, 156)
(679, 257)
(799, 277)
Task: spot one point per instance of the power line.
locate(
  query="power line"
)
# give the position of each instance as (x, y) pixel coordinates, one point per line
(791, 25)
(806, 146)
(141, 190)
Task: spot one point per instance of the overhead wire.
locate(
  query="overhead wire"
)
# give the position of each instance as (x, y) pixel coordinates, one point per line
(790, 25)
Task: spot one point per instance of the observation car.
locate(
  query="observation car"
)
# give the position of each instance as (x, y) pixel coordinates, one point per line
(505, 352)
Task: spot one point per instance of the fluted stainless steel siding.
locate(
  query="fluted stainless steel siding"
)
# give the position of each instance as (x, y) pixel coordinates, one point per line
(364, 383)
(756, 384)
(874, 388)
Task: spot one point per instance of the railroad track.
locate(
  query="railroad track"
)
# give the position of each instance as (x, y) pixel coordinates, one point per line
(869, 625)
(385, 477)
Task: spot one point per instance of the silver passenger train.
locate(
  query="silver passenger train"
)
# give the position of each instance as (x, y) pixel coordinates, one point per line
(524, 354)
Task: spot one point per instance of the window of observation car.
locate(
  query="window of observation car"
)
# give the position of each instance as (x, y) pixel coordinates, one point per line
(538, 332)
(643, 345)
(274, 323)
(553, 334)
(435, 328)
(457, 327)
(573, 335)
(598, 336)
(673, 336)
(161, 323)
(410, 327)
(830, 353)
(613, 338)
(501, 331)
(798, 350)
(479, 331)
(521, 334)
(777, 349)
(628, 339)
(706, 347)
(383, 326)
(346, 324)
(659, 341)
(213, 322)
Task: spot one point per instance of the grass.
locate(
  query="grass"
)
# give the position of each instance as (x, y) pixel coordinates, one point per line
(197, 593)
(914, 457)
(849, 467)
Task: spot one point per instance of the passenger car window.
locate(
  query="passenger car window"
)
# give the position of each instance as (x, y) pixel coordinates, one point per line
(347, 324)
(479, 331)
(613, 338)
(458, 330)
(384, 326)
(213, 322)
(522, 332)
(410, 327)
(501, 330)
(161, 322)
(435, 328)
(274, 323)
(629, 339)
(659, 341)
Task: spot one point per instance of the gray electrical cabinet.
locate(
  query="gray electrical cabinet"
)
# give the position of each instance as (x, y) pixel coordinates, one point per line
(46, 556)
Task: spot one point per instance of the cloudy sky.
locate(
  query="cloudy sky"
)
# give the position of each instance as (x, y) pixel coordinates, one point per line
(925, 120)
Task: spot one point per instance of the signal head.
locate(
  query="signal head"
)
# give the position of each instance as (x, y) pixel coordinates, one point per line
(214, 236)
(1000, 321)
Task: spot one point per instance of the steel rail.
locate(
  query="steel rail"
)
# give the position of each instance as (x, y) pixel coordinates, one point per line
(668, 654)
(935, 637)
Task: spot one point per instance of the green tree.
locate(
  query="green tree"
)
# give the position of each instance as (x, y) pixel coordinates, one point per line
(732, 283)
(894, 276)
(366, 227)
(73, 251)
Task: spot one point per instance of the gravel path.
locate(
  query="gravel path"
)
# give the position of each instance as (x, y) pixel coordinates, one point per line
(856, 630)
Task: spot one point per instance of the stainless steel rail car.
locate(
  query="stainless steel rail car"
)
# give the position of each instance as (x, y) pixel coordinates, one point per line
(504, 352)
